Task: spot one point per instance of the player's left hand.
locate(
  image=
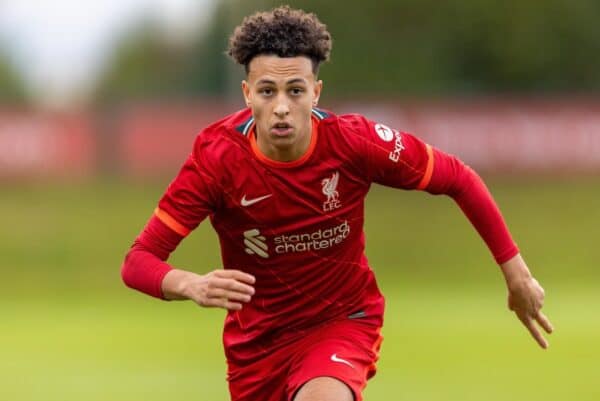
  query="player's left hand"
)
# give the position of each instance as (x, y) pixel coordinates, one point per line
(526, 298)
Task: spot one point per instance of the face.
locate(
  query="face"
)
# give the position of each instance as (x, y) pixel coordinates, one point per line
(281, 93)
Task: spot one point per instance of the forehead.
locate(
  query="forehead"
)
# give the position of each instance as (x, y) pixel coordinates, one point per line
(279, 68)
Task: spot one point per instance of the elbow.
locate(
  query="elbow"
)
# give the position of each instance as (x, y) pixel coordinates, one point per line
(464, 183)
(131, 267)
(144, 271)
(127, 270)
(452, 177)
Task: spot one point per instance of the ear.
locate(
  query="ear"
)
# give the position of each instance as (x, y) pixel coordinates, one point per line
(317, 92)
(246, 93)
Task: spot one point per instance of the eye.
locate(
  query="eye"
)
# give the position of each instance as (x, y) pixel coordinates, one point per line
(266, 91)
(297, 91)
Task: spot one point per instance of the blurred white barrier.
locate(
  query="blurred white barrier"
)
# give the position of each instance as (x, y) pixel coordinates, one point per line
(502, 135)
(154, 138)
(38, 144)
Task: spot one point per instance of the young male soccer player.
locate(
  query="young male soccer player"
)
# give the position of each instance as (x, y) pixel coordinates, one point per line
(284, 185)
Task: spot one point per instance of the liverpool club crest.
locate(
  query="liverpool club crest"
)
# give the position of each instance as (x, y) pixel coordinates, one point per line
(330, 191)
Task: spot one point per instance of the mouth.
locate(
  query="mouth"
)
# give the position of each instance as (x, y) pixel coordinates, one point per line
(281, 129)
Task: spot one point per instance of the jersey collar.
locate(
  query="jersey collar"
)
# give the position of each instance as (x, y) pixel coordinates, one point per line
(276, 163)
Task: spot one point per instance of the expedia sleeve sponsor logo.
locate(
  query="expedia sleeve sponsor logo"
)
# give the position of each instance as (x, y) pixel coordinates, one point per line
(398, 147)
(387, 134)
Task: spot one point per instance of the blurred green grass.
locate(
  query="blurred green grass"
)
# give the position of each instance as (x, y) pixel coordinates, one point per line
(72, 331)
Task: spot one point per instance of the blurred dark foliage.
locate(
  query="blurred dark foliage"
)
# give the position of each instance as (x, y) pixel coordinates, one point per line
(146, 64)
(390, 47)
(12, 85)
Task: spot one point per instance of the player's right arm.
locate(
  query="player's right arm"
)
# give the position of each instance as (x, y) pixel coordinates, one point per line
(188, 200)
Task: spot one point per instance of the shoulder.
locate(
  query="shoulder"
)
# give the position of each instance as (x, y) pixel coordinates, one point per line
(351, 123)
(358, 128)
(344, 137)
(220, 136)
(349, 128)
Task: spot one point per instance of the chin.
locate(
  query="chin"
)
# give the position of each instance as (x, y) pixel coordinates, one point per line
(291, 137)
(283, 143)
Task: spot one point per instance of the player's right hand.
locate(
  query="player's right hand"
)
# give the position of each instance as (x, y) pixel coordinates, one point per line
(227, 289)
(223, 289)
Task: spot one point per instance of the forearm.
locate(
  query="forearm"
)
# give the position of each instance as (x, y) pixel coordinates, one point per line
(525, 295)
(145, 265)
(175, 286)
(451, 177)
(144, 271)
(478, 205)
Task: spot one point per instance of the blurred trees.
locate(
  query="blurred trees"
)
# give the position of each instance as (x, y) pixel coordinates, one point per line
(391, 47)
(146, 64)
(12, 86)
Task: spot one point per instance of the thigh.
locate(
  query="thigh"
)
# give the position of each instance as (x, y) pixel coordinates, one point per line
(263, 380)
(324, 389)
(346, 351)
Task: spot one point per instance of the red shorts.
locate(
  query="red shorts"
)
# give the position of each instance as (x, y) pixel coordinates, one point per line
(346, 350)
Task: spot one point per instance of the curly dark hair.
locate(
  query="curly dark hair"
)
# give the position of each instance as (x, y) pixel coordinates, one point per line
(284, 32)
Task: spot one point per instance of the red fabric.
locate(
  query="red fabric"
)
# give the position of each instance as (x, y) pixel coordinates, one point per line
(353, 344)
(450, 177)
(303, 240)
(453, 178)
(145, 267)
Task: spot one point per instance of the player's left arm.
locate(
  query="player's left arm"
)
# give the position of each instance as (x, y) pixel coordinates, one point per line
(525, 295)
(402, 160)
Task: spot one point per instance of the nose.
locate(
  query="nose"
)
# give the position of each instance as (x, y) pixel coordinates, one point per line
(282, 108)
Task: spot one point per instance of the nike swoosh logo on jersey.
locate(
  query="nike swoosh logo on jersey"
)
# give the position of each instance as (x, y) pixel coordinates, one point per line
(335, 358)
(247, 202)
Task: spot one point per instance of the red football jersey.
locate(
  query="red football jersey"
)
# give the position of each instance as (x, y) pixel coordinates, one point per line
(298, 226)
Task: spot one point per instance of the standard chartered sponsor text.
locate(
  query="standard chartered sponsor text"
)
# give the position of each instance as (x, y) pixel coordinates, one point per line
(317, 240)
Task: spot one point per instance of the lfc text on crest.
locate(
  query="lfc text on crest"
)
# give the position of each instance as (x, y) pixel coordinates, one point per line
(330, 190)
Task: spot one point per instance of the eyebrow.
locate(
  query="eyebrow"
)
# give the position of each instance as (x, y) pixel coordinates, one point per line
(296, 80)
(290, 82)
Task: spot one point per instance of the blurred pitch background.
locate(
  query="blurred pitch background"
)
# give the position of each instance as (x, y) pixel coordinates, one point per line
(100, 103)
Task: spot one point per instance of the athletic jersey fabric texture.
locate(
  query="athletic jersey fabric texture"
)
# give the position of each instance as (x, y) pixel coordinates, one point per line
(298, 226)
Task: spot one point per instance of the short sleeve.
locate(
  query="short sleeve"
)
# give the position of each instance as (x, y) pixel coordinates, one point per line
(190, 197)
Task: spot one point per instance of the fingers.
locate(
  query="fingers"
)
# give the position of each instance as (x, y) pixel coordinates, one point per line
(236, 275)
(526, 298)
(544, 322)
(226, 289)
(229, 285)
(222, 303)
(529, 323)
(228, 294)
(535, 333)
